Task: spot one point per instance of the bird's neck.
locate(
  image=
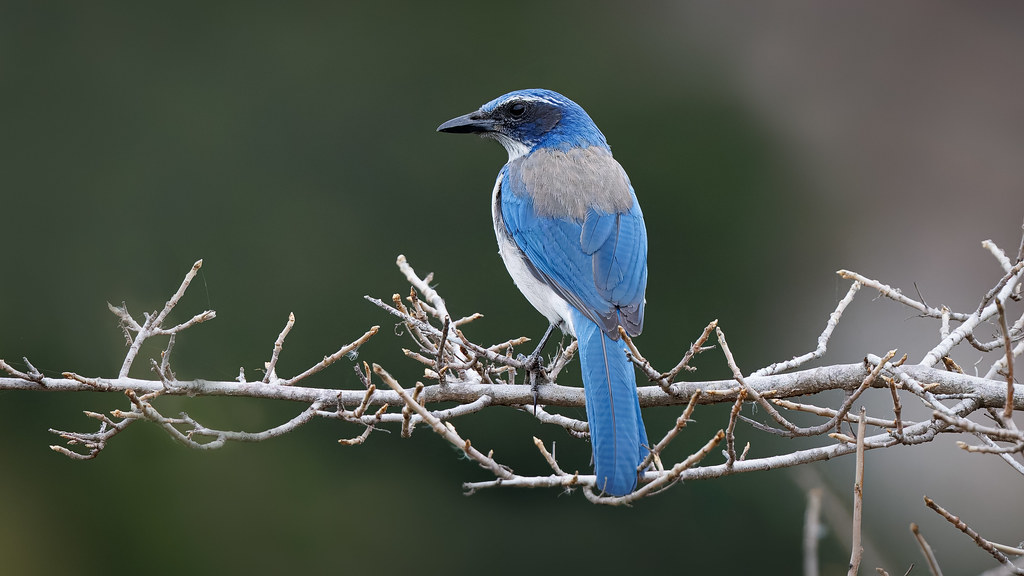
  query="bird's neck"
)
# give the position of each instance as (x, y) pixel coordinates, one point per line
(515, 148)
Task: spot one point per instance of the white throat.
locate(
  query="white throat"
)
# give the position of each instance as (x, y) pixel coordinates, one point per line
(515, 148)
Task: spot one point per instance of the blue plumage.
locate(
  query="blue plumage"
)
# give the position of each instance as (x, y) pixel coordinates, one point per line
(572, 236)
(617, 434)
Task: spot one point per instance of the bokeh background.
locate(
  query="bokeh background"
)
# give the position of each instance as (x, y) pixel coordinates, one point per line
(292, 147)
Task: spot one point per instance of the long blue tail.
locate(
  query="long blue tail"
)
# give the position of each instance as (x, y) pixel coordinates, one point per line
(613, 409)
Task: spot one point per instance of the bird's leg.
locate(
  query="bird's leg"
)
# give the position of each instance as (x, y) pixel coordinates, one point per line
(533, 364)
(533, 360)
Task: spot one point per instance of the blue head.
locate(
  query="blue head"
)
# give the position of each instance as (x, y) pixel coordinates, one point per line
(525, 120)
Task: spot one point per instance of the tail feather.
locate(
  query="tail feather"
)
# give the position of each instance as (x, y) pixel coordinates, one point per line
(617, 432)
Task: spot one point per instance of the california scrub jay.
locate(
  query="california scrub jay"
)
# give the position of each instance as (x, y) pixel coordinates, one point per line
(573, 239)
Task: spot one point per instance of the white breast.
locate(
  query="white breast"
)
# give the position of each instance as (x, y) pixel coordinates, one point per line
(543, 298)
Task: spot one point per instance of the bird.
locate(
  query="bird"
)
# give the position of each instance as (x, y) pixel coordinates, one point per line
(572, 236)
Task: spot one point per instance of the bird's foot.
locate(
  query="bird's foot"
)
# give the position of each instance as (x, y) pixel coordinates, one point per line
(534, 366)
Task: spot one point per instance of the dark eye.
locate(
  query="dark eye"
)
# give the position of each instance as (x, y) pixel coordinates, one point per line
(517, 110)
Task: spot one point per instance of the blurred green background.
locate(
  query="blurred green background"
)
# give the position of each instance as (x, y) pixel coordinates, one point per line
(292, 147)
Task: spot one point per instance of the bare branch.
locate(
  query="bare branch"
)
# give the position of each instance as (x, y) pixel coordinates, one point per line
(469, 377)
(1001, 291)
(978, 539)
(548, 456)
(858, 499)
(989, 393)
(445, 430)
(32, 376)
(730, 438)
(1020, 250)
(894, 294)
(696, 348)
(1008, 410)
(655, 451)
(575, 427)
(662, 479)
(346, 350)
(154, 322)
(278, 345)
(826, 334)
(897, 408)
(845, 407)
(812, 530)
(830, 413)
(929, 555)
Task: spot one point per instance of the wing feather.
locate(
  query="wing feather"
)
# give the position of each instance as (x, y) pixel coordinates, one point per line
(597, 264)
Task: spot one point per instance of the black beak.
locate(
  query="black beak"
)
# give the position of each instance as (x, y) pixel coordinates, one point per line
(472, 123)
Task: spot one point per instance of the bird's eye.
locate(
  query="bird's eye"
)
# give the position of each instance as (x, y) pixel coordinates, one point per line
(517, 110)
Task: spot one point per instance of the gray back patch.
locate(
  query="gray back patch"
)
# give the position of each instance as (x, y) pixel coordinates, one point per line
(568, 183)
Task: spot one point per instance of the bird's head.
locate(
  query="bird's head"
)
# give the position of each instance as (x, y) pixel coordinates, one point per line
(525, 120)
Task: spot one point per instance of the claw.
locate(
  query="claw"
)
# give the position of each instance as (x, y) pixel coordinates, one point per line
(533, 389)
(533, 364)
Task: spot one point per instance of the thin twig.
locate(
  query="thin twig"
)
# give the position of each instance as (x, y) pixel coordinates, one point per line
(926, 549)
(696, 348)
(1008, 458)
(445, 430)
(1008, 410)
(858, 499)
(970, 532)
(1003, 434)
(548, 456)
(897, 408)
(826, 334)
(33, 376)
(1020, 250)
(347, 349)
(998, 253)
(812, 531)
(155, 322)
(738, 375)
(895, 294)
(663, 480)
(1000, 292)
(831, 413)
(655, 451)
(278, 346)
(730, 438)
(440, 364)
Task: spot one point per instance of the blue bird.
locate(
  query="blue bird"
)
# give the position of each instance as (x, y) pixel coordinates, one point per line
(572, 236)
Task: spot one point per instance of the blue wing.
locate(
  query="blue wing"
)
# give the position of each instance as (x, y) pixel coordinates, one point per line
(599, 264)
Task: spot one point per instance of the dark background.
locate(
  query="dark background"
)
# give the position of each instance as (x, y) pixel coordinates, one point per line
(293, 149)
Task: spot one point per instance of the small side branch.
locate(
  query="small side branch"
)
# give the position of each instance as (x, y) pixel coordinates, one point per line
(278, 346)
(346, 350)
(1008, 409)
(154, 322)
(656, 450)
(826, 334)
(973, 534)
(443, 429)
(926, 549)
(32, 375)
(696, 348)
